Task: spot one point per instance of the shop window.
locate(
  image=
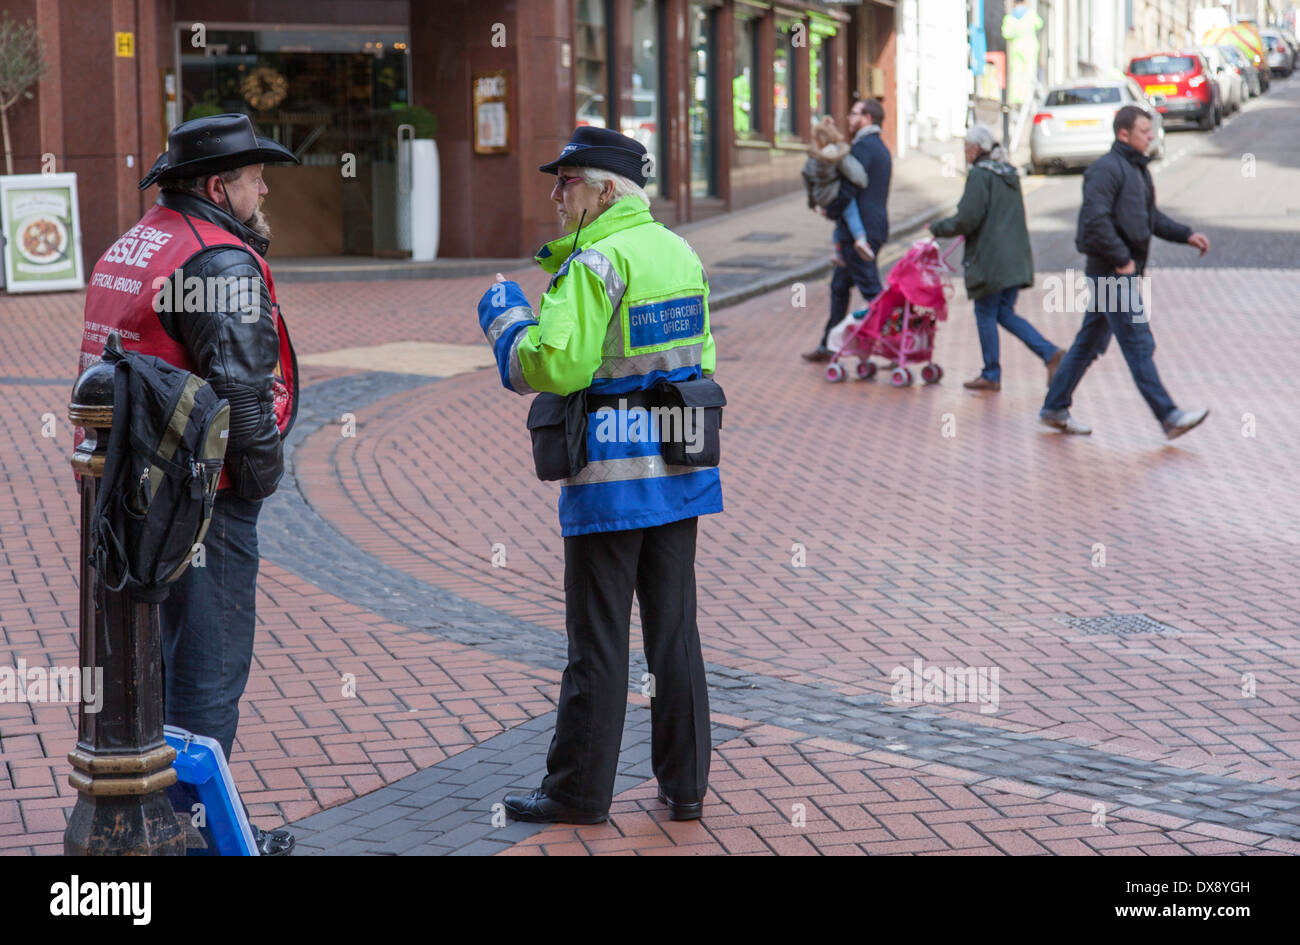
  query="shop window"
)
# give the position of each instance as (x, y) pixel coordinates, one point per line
(819, 74)
(591, 62)
(783, 84)
(744, 81)
(639, 107)
(702, 101)
(322, 93)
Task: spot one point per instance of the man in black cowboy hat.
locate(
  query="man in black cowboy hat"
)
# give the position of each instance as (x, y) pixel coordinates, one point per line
(189, 284)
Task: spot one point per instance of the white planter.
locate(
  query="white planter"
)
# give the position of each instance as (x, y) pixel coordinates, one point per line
(425, 212)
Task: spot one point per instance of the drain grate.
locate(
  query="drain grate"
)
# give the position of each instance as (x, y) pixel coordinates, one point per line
(1118, 624)
(762, 237)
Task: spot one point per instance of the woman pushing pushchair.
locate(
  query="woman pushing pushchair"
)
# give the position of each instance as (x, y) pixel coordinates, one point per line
(998, 261)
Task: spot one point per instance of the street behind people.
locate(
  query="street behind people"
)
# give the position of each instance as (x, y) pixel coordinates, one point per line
(864, 124)
(997, 259)
(1117, 219)
(829, 164)
(623, 329)
(207, 225)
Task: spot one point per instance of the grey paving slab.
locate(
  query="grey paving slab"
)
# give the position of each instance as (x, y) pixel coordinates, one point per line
(378, 817)
(487, 786)
(485, 847)
(427, 795)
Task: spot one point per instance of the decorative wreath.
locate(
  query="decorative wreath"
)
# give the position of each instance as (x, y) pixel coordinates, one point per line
(264, 88)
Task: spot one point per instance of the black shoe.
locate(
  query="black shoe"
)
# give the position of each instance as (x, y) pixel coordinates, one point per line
(273, 842)
(691, 811)
(537, 808)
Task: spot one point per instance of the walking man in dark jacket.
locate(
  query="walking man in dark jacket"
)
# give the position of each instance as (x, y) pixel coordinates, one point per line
(1116, 223)
(864, 125)
(997, 258)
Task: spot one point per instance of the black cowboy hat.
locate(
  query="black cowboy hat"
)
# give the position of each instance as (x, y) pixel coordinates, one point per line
(212, 145)
(599, 147)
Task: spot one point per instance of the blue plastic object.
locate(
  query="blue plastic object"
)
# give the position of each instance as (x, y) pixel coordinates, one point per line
(205, 799)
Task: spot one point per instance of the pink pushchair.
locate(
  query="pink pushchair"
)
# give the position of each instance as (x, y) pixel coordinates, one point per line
(901, 322)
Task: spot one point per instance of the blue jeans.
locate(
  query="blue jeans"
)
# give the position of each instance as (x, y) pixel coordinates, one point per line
(1135, 340)
(1000, 309)
(853, 220)
(207, 626)
(856, 271)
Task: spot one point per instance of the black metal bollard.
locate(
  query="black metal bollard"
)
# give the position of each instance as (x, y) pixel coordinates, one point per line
(122, 764)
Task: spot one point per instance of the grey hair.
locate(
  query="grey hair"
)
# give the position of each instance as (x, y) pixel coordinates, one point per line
(623, 187)
(981, 136)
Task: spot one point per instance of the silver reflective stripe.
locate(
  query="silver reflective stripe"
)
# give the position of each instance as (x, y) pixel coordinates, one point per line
(511, 316)
(599, 263)
(517, 381)
(673, 358)
(620, 470)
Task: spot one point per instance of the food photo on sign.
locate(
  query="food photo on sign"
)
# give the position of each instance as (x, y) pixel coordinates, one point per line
(42, 232)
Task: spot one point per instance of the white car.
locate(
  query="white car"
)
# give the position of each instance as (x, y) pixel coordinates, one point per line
(1232, 87)
(1074, 125)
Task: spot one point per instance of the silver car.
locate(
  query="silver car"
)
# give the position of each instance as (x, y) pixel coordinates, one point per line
(1232, 87)
(1244, 68)
(1074, 125)
(1277, 53)
(1293, 43)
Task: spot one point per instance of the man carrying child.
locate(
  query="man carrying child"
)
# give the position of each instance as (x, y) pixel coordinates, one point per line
(856, 264)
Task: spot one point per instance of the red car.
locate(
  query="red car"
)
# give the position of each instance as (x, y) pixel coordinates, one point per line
(1180, 85)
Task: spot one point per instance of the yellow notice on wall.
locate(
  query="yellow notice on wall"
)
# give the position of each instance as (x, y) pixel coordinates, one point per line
(125, 45)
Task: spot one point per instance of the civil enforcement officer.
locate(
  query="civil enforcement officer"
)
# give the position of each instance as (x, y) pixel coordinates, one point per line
(623, 329)
(189, 284)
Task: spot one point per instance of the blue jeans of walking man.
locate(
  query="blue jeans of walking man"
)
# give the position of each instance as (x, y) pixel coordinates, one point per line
(1115, 307)
(1000, 309)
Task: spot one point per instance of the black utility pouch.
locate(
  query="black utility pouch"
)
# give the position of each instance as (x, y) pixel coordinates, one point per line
(558, 426)
(701, 402)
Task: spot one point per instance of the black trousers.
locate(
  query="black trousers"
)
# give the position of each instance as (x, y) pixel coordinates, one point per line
(600, 573)
(856, 271)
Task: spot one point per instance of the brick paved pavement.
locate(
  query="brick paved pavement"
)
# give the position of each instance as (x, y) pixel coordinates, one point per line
(968, 550)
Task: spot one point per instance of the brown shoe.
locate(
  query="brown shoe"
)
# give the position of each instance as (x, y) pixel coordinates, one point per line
(819, 355)
(1053, 363)
(982, 383)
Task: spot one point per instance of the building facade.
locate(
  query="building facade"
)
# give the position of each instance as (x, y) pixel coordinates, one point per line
(722, 93)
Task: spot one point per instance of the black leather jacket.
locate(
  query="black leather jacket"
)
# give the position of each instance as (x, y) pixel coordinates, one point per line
(1119, 214)
(235, 356)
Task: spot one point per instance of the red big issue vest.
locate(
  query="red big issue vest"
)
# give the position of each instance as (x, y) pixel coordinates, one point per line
(120, 297)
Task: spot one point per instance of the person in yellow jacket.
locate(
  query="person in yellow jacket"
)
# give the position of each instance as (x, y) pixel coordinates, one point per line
(1020, 29)
(622, 336)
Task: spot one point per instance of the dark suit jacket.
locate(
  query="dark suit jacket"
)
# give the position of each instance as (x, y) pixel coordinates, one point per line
(875, 160)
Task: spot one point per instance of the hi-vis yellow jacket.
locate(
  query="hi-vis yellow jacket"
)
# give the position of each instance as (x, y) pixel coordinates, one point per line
(627, 308)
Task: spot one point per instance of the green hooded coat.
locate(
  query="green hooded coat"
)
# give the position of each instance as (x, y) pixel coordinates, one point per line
(991, 215)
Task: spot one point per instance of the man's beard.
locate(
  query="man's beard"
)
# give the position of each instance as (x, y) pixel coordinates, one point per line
(259, 224)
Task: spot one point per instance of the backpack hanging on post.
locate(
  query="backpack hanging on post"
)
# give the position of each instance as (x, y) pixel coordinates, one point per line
(161, 470)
